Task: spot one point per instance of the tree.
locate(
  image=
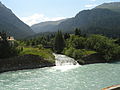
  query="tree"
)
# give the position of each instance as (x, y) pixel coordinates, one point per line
(4, 45)
(77, 32)
(59, 43)
(76, 42)
(117, 41)
(104, 46)
(66, 36)
(7, 48)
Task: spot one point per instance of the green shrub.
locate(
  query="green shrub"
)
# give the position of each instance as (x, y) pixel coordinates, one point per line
(69, 52)
(77, 54)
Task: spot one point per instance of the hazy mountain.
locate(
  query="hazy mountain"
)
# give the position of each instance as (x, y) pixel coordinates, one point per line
(103, 19)
(49, 26)
(12, 24)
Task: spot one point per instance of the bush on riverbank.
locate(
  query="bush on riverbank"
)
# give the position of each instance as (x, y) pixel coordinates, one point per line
(77, 53)
(78, 47)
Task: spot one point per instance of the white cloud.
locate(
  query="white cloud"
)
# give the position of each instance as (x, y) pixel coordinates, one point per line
(93, 0)
(37, 18)
(90, 5)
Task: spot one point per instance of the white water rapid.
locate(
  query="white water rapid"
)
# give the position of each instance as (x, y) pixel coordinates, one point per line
(64, 77)
(65, 63)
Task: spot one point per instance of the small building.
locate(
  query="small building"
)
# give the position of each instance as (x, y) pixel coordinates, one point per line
(0, 38)
(9, 38)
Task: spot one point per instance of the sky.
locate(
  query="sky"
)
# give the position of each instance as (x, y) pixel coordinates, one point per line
(36, 11)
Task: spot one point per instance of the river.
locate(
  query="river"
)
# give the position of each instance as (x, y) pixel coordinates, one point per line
(65, 77)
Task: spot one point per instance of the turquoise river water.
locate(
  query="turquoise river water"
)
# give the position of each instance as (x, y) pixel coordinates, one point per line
(69, 77)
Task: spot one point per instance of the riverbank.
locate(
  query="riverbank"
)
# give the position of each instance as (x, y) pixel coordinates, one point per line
(92, 76)
(95, 58)
(32, 61)
(92, 59)
(29, 58)
(24, 62)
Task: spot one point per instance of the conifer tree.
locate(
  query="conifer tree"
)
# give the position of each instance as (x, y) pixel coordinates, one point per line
(59, 42)
(66, 36)
(77, 32)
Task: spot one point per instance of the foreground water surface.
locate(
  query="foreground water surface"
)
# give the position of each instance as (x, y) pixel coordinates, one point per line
(88, 77)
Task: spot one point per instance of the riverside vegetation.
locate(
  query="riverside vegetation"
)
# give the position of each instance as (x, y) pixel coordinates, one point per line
(83, 48)
(15, 55)
(38, 51)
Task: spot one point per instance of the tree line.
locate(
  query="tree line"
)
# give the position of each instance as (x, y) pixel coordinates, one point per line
(74, 45)
(77, 45)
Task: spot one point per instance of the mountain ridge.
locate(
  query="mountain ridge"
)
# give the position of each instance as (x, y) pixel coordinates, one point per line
(47, 26)
(114, 6)
(12, 25)
(97, 20)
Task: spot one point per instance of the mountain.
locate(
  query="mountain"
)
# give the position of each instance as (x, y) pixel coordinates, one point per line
(49, 26)
(103, 19)
(12, 24)
(98, 21)
(114, 6)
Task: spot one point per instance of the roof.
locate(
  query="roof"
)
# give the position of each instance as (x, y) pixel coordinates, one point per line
(10, 38)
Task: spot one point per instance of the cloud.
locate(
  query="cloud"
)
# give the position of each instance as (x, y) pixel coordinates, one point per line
(37, 18)
(90, 5)
(93, 0)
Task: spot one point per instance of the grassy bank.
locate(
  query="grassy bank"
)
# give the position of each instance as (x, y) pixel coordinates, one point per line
(43, 53)
(29, 58)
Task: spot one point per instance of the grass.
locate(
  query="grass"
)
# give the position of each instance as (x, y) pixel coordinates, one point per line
(44, 53)
(88, 52)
